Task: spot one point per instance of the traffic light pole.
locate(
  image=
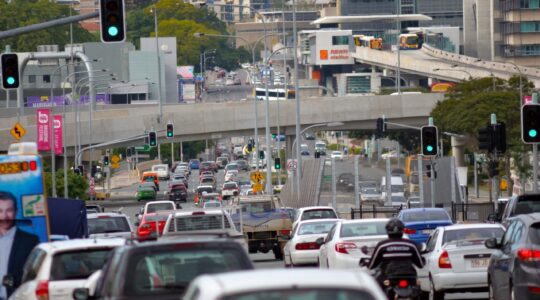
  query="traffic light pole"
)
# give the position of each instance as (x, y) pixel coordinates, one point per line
(535, 168)
(432, 181)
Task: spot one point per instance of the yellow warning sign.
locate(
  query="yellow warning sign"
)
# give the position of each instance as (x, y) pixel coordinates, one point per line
(115, 165)
(18, 131)
(115, 159)
(256, 176)
(257, 187)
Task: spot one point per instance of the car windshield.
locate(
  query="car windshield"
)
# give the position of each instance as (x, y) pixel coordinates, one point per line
(78, 264)
(230, 185)
(370, 191)
(397, 188)
(159, 168)
(154, 218)
(301, 294)
(159, 206)
(463, 236)
(530, 204)
(199, 222)
(201, 190)
(422, 216)
(315, 228)
(169, 271)
(231, 167)
(336, 153)
(257, 207)
(363, 229)
(367, 184)
(398, 199)
(319, 214)
(108, 224)
(212, 203)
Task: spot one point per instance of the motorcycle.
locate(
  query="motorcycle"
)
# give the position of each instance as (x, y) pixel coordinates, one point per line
(395, 287)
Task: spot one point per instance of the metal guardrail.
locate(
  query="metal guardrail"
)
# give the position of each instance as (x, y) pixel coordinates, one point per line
(371, 212)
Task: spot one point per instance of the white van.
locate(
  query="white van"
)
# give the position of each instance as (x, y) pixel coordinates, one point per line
(162, 171)
(397, 188)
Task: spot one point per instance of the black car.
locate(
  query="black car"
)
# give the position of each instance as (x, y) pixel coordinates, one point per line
(513, 271)
(518, 205)
(242, 164)
(164, 269)
(345, 182)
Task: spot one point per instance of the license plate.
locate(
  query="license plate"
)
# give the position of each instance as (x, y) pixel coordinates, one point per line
(479, 262)
(427, 231)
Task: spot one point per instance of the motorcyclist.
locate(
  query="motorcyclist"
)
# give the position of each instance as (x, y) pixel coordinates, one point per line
(395, 257)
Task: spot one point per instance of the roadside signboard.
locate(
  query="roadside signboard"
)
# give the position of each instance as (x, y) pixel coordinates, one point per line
(18, 131)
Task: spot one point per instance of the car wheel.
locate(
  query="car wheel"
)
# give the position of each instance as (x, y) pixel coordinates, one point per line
(491, 294)
(433, 294)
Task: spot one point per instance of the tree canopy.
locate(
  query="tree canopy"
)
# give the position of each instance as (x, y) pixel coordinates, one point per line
(30, 12)
(182, 20)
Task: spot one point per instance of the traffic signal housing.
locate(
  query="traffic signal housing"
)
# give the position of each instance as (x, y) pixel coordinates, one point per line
(429, 140)
(485, 136)
(152, 139)
(106, 160)
(10, 71)
(530, 123)
(112, 17)
(261, 154)
(170, 130)
(277, 163)
(499, 137)
(381, 127)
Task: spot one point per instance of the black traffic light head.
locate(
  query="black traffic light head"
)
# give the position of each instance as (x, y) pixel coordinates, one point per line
(81, 170)
(106, 160)
(429, 140)
(128, 152)
(10, 71)
(277, 163)
(93, 171)
(530, 123)
(152, 139)
(249, 146)
(261, 154)
(485, 138)
(381, 127)
(113, 26)
(499, 137)
(170, 130)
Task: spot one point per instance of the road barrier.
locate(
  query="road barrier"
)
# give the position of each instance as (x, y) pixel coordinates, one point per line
(372, 212)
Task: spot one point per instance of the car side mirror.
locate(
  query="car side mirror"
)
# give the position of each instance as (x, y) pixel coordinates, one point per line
(493, 217)
(364, 262)
(81, 294)
(492, 243)
(320, 241)
(8, 281)
(137, 224)
(423, 248)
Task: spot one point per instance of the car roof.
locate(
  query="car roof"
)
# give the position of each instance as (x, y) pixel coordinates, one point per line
(423, 209)
(313, 220)
(104, 214)
(364, 220)
(206, 212)
(302, 209)
(76, 244)
(471, 225)
(528, 218)
(158, 202)
(245, 281)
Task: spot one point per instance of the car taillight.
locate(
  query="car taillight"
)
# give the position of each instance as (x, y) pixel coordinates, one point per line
(534, 289)
(197, 213)
(307, 246)
(444, 261)
(403, 283)
(528, 255)
(409, 231)
(285, 232)
(42, 290)
(345, 247)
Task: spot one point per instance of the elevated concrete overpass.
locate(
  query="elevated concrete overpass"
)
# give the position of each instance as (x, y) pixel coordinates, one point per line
(217, 120)
(426, 60)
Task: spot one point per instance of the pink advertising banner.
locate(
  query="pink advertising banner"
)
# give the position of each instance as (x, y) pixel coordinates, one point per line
(43, 129)
(58, 142)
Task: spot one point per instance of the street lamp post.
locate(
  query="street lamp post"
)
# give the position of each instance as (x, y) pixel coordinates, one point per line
(154, 10)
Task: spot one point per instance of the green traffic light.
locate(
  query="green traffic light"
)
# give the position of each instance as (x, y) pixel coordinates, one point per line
(532, 133)
(113, 31)
(10, 80)
(169, 134)
(429, 148)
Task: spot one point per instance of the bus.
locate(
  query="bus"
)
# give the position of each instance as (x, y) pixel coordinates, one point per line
(410, 41)
(273, 94)
(371, 42)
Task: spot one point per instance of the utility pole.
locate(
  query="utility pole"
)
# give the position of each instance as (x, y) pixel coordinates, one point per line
(421, 179)
(356, 178)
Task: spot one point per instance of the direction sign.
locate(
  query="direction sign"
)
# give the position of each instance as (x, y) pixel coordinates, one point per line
(115, 165)
(115, 159)
(144, 148)
(256, 176)
(257, 187)
(18, 131)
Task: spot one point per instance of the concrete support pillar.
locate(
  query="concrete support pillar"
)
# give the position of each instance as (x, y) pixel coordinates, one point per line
(458, 150)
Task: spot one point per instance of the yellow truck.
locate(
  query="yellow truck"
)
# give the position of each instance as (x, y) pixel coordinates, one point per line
(266, 225)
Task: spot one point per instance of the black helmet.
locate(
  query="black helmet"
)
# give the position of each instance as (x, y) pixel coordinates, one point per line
(395, 227)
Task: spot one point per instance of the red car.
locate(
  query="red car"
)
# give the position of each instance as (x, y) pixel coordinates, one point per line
(148, 224)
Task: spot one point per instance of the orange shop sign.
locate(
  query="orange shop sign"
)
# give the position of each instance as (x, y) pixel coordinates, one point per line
(323, 54)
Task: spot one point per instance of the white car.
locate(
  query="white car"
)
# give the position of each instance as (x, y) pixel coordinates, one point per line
(457, 259)
(337, 155)
(155, 206)
(285, 285)
(342, 246)
(231, 175)
(314, 212)
(370, 194)
(109, 225)
(229, 189)
(162, 171)
(302, 249)
(53, 270)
